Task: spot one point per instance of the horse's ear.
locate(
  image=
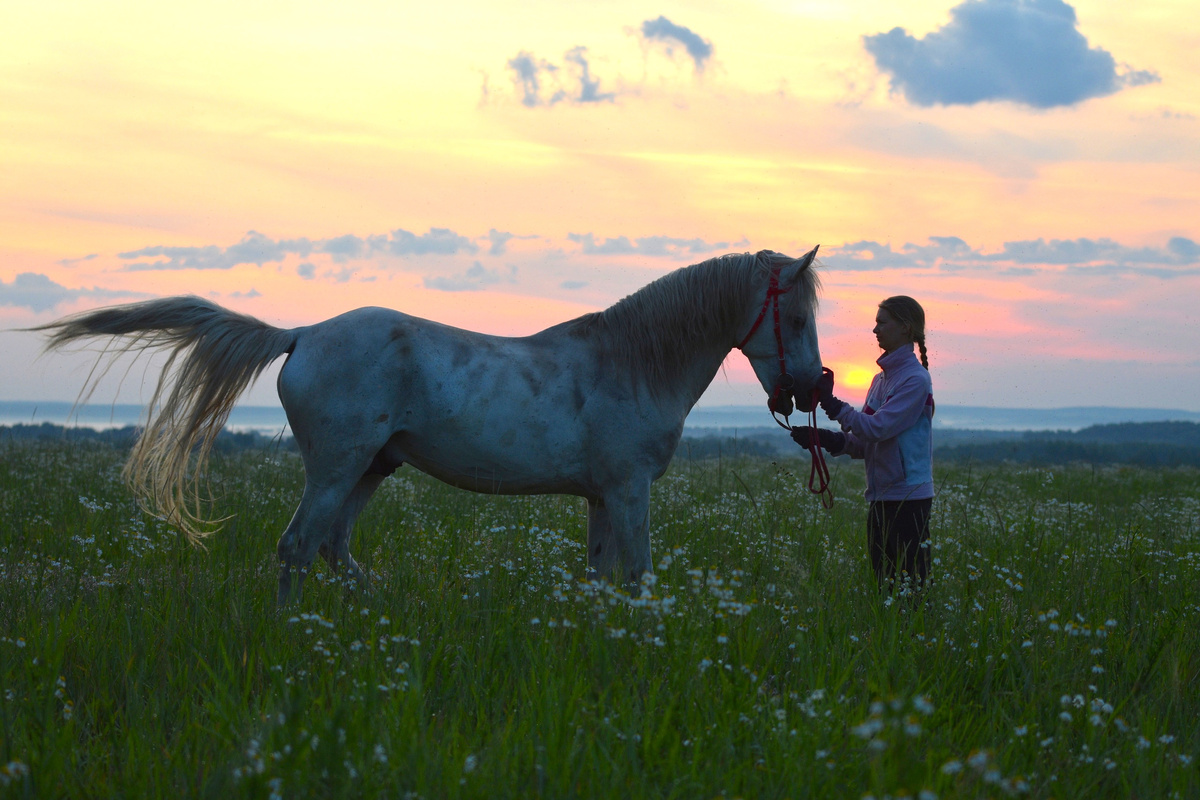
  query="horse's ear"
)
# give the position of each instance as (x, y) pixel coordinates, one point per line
(791, 273)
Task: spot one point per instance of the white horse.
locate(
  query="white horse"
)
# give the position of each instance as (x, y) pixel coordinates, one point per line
(592, 407)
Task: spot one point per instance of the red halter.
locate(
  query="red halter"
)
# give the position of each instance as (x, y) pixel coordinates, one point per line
(780, 401)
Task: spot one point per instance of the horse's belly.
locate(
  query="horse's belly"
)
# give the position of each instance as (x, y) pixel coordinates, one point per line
(488, 475)
(493, 458)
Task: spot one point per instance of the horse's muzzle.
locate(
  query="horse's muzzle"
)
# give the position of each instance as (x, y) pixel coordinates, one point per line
(804, 403)
(780, 401)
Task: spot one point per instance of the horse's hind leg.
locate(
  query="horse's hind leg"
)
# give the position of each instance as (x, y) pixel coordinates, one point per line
(319, 507)
(336, 547)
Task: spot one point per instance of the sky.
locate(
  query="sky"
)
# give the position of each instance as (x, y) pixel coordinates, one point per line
(1029, 170)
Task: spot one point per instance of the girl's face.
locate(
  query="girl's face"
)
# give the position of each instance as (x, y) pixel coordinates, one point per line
(890, 334)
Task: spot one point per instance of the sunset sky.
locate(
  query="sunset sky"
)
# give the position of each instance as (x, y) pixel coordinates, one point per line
(1028, 169)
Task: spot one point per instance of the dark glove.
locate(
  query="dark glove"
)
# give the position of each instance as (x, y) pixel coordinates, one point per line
(825, 385)
(831, 405)
(832, 441)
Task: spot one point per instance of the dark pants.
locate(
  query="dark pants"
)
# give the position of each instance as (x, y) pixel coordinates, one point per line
(896, 531)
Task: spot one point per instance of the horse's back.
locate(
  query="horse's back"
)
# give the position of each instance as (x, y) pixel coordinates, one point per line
(490, 413)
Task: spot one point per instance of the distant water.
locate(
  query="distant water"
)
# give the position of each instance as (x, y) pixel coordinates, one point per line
(961, 417)
(270, 420)
(267, 420)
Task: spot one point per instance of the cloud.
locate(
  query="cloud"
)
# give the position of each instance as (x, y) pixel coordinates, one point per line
(342, 275)
(670, 35)
(1058, 251)
(866, 256)
(618, 246)
(344, 247)
(38, 293)
(1025, 51)
(669, 246)
(541, 83)
(1179, 252)
(257, 249)
(1180, 257)
(499, 240)
(70, 262)
(254, 248)
(589, 89)
(1184, 248)
(474, 279)
(440, 241)
(646, 245)
(527, 75)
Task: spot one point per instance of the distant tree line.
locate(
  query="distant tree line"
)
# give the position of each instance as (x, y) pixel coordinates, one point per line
(1152, 444)
(227, 440)
(1140, 443)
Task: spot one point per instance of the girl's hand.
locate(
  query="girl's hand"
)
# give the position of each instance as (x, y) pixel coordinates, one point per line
(832, 441)
(829, 403)
(832, 406)
(825, 384)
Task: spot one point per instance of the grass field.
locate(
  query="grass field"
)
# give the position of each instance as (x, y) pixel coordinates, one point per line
(1056, 655)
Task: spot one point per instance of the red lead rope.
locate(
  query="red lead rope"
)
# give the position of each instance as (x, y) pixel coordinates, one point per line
(818, 473)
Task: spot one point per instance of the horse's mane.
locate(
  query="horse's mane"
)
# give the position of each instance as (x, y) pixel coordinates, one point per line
(650, 334)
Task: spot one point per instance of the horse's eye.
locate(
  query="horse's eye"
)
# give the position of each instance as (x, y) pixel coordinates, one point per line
(798, 323)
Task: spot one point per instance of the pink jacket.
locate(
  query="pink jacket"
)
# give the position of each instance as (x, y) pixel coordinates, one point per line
(894, 431)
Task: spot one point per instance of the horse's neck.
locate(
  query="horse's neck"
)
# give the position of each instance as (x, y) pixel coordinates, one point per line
(672, 336)
(702, 368)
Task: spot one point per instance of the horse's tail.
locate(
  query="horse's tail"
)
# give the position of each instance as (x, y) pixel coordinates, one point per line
(213, 355)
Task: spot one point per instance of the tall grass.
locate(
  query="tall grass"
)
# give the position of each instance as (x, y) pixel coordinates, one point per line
(1056, 654)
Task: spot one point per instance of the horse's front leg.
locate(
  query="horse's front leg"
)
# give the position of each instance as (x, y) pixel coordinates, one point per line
(619, 549)
(602, 548)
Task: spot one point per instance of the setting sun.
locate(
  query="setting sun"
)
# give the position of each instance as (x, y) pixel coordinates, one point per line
(856, 377)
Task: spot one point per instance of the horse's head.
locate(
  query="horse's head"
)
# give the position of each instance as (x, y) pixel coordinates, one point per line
(779, 335)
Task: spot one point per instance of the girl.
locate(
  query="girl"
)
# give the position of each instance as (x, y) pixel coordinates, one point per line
(892, 434)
